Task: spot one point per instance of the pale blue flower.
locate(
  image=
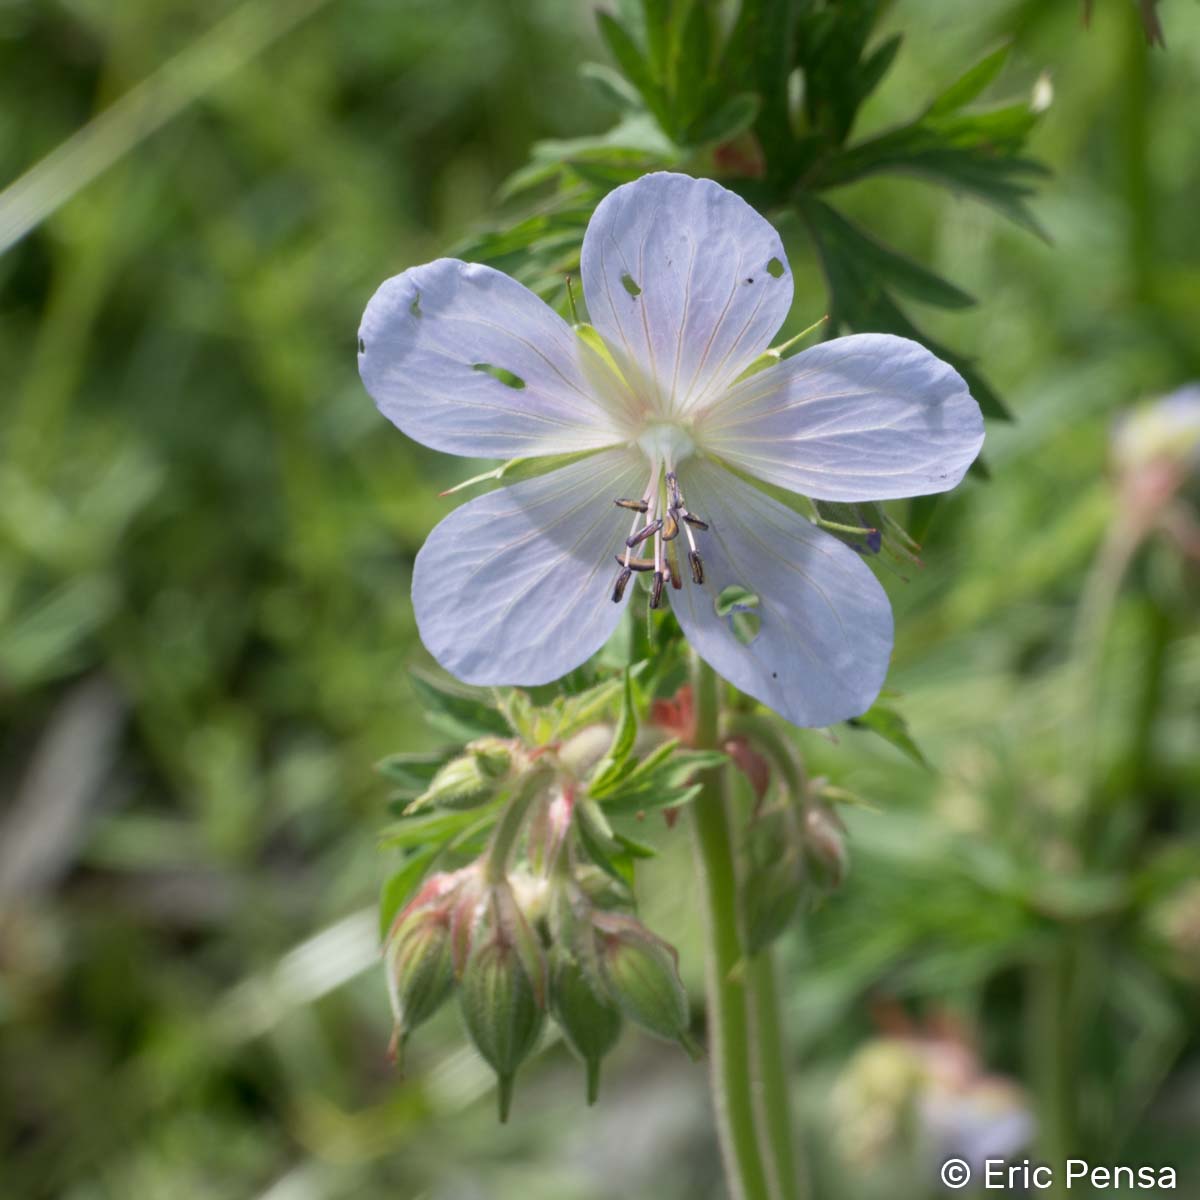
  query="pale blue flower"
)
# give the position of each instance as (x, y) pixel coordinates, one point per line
(686, 284)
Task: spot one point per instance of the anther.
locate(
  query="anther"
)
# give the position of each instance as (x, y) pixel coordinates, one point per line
(635, 505)
(697, 565)
(657, 591)
(670, 526)
(635, 564)
(647, 531)
(692, 519)
(619, 587)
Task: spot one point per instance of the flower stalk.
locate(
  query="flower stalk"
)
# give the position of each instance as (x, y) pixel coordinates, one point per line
(749, 1086)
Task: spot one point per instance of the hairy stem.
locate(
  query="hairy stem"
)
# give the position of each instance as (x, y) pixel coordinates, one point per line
(737, 1055)
(770, 1050)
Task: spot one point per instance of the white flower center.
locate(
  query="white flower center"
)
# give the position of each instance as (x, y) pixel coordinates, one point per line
(666, 443)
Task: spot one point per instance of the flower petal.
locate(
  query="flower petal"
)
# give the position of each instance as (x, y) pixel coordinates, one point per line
(467, 360)
(825, 635)
(868, 417)
(515, 587)
(686, 283)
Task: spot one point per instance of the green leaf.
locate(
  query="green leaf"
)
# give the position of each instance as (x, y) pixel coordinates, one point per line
(599, 843)
(663, 779)
(459, 712)
(412, 772)
(633, 65)
(440, 827)
(886, 264)
(402, 884)
(968, 86)
(612, 87)
(610, 767)
(734, 116)
(888, 724)
(691, 64)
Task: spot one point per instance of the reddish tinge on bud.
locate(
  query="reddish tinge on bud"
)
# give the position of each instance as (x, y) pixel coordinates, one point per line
(503, 991)
(825, 846)
(418, 957)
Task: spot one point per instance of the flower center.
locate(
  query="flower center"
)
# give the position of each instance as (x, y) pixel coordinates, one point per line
(663, 495)
(661, 442)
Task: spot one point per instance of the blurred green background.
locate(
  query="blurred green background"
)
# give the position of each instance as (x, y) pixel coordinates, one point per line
(206, 533)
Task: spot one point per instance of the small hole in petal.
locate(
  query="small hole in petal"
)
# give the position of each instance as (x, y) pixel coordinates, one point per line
(775, 268)
(737, 606)
(748, 279)
(415, 306)
(630, 284)
(500, 374)
(362, 346)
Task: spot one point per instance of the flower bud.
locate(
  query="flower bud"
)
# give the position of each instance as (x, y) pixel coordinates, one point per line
(420, 968)
(774, 876)
(642, 975)
(589, 1022)
(825, 846)
(502, 995)
(494, 756)
(470, 780)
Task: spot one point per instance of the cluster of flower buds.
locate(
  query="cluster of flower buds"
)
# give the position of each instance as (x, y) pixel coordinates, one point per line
(550, 934)
(793, 848)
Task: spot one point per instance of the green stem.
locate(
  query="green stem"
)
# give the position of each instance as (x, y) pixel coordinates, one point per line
(508, 827)
(766, 1031)
(1053, 1041)
(732, 1063)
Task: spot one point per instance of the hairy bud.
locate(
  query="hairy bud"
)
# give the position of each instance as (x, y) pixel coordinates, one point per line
(825, 846)
(589, 1022)
(470, 780)
(420, 969)
(774, 878)
(642, 974)
(418, 954)
(503, 989)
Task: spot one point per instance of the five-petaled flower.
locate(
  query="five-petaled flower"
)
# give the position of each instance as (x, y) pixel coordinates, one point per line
(685, 285)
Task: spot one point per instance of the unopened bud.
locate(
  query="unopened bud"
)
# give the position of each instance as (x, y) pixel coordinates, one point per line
(420, 968)
(642, 974)
(503, 990)
(418, 952)
(468, 781)
(774, 876)
(825, 846)
(601, 888)
(494, 756)
(589, 1022)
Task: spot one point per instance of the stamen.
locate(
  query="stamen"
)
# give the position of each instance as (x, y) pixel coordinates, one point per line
(673, 565)
(697, 565)
(635, 564)
(647, 531)
(656, 593)
(670, 525)
(636, 505)
(621, 583)
(649, 500)
(673, 488)
(692, 519)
